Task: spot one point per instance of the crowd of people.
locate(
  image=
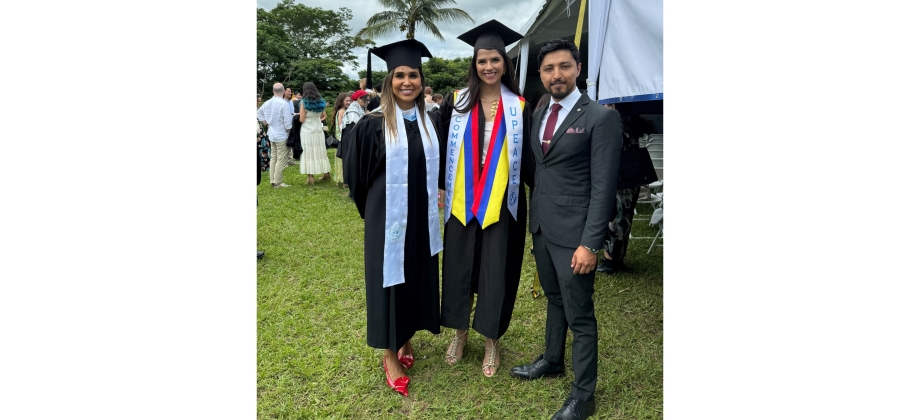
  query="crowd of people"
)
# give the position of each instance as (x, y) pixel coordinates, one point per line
(304, 141)
(404, 152)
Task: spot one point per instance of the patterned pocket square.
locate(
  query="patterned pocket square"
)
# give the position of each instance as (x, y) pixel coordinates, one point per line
(575, 130)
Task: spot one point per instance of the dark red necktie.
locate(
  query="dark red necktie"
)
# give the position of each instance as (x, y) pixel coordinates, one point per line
(550, 127)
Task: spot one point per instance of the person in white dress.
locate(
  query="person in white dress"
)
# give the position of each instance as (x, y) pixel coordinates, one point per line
(314, 160)
(342, 102)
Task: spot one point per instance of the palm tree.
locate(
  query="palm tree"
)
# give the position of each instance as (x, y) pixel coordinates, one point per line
(405, 15)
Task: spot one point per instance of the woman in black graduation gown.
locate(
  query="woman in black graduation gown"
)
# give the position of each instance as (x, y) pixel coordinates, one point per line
(483, 253)
(398, 203)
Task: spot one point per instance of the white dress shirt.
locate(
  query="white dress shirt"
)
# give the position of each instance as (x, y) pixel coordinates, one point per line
(567, 103)
(275, 113)
(487, 140)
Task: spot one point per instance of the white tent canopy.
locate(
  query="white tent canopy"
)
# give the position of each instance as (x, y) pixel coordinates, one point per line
(632, 59)
(622, 57)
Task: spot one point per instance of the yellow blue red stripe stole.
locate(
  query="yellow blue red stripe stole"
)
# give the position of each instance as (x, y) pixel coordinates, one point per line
(474, 193)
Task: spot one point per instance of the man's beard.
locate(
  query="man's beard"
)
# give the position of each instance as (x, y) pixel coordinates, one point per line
(562, 94)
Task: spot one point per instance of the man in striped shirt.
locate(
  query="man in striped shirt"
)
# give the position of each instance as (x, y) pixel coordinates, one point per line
(276, 114)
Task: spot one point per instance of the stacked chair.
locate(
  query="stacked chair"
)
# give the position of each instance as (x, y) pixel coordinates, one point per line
(653, 193)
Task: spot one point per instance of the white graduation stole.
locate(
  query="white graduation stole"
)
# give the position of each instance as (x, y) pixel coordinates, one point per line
(397, 197)
(514, 123)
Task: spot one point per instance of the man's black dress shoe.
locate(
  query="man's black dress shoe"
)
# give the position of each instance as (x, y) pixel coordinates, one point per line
(538, 369)
(575, 409)
(260, 254)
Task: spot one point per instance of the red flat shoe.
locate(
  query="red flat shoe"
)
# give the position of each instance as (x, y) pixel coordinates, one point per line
(400, 385)
(407, 361)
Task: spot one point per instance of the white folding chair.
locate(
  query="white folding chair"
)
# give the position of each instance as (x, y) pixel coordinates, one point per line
(651, 138)
(657, 219)
(643, 141)
(655, 147)
(647, 196)
(656, 151)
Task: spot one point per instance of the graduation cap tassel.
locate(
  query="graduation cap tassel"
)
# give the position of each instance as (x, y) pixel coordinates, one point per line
(370, 82)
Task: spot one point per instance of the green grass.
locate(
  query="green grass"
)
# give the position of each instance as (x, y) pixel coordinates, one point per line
(313, 360)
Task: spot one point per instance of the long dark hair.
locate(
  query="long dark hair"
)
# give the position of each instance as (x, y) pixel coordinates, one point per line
(312, 101)
(339, 104)
(473, 82)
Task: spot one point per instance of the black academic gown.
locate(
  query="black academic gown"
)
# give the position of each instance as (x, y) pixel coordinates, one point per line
(486, 262)
(394, 313)
(293, 140)
(342, 151)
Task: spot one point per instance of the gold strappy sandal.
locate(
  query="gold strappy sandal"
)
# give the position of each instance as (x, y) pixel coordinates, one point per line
(456, 345)
(491, 351)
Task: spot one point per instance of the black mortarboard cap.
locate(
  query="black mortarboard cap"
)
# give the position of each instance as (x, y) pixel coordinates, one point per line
(491, 35)
(403, 53)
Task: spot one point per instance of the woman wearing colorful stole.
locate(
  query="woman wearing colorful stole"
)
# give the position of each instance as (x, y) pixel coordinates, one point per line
(485, 132)
(392, 172)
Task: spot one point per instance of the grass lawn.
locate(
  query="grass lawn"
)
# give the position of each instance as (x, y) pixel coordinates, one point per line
(313, 358)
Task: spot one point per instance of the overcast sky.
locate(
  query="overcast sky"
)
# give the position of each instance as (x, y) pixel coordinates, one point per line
(512, 13)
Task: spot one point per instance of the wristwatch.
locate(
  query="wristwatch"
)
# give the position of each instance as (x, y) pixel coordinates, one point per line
(593, 251)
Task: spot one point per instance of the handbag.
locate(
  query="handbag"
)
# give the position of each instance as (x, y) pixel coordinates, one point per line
(332, 142)
(636, 168)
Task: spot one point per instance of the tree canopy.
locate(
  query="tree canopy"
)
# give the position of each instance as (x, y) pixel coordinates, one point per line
(296, 44)
(409, 15)
(378, 76)
(446, 75)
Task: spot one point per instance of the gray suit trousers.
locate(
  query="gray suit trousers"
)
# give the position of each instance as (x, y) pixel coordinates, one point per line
(569, 305)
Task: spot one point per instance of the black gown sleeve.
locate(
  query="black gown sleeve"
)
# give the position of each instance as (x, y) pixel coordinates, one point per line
(362, 160)
(432, 118)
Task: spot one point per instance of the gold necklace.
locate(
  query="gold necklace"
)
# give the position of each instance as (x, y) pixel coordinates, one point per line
(494, 108)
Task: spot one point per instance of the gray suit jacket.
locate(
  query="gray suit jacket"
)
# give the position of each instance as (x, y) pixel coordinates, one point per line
(576, 181)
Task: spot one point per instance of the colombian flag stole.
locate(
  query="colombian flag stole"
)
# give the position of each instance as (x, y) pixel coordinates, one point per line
(472, 193)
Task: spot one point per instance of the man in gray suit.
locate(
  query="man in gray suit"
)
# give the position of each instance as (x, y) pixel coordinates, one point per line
(576, 148)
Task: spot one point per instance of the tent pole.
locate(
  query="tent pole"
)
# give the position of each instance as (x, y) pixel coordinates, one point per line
(581, 20)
